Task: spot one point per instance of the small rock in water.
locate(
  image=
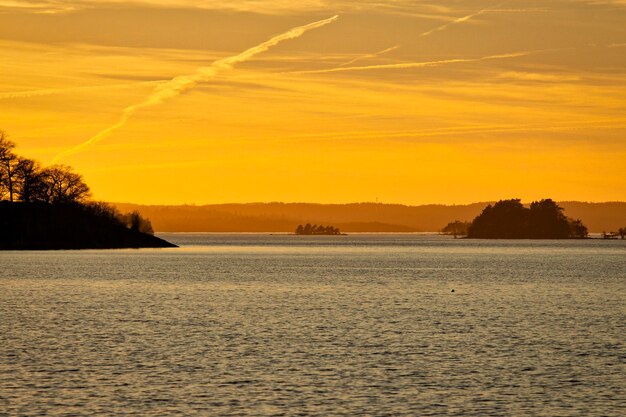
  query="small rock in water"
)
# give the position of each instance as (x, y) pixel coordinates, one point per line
(452, 290)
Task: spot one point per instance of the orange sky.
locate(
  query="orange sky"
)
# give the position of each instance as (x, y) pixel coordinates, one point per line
(401, 101)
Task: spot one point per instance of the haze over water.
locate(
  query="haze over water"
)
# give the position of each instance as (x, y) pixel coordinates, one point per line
(286, 325)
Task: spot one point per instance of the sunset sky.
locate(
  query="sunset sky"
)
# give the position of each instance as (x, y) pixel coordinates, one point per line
(452, 101)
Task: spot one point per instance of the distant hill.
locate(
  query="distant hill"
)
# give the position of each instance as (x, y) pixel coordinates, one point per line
(598, 217)
(355, 217)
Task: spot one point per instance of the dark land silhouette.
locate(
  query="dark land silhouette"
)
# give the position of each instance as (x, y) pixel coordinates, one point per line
(49, 208)
(510, 219)
(456, 228)
(317, 230)
(350, 218)
(39, 226)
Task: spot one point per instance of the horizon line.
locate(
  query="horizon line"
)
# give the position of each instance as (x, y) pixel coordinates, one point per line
(356, 203)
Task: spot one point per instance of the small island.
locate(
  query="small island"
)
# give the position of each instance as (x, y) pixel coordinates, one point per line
(621, 233)
(456, 228)
(49, 208)
(309, 230)
(510, 219)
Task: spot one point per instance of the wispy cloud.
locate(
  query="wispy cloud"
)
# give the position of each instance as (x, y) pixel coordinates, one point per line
(398, 7)
(440, 28)
(456, 131)
(394, 7)
(369, 56)
(51, 91)
(258, 6)
(181, 83)
(460, 20)
(539, 77)
(38, 6)
(407, 65)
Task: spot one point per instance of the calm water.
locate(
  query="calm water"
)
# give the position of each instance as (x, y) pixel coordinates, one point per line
(286, 325)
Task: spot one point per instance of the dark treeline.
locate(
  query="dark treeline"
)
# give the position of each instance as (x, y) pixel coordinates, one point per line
(456, 228)
(25, 180)
(510, 219)
(49, 207)
(317, 230)
(350, 218)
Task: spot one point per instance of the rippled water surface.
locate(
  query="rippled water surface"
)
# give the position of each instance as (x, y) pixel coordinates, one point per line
(287, 325)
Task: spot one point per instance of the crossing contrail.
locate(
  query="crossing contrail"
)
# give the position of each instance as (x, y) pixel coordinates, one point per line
(427, 33)
(459, 20)
(367, 56)
(181, 83)
(418, 64)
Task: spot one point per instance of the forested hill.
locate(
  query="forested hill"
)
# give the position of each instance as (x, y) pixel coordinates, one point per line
(356, 217)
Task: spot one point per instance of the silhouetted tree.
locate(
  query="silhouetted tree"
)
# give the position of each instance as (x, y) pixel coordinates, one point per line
(456, 228)
(506, 219)
(104, 211)
(24, 180)
(317, 230)
(577, 229)
(8, 166)
(137, 223)
(133, 221)
(30, 185)
(547, 221)
(509, 219)
(622, 232)
(64, 186)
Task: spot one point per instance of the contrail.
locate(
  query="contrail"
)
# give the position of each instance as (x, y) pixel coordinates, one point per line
(366, 56)
(430, 32)
(459, 20)
(181, 83)
(418, 64)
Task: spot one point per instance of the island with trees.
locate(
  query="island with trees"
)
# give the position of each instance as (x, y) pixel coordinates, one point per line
(510, 219)
(50, 208)
(309, 230)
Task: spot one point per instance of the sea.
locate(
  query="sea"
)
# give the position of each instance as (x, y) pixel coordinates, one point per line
(282, 325)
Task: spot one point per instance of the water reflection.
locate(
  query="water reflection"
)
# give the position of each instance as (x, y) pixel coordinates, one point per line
(265, 325)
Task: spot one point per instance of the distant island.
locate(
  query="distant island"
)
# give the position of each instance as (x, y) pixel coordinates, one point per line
(317, 230)
(49, 208)
(350, 218)
(456, 228)
(510, 219)
(621, 232)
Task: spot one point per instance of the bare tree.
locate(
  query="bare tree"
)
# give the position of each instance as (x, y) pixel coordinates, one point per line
(8, 166)
(30, 185)
(62, 185)
(140, 224)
